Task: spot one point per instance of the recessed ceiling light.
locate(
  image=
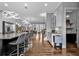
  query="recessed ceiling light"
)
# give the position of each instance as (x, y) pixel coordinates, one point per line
(56, 29)
(45, 4)
(54, 14)
(43, 14)
(67, 16)
(25, 5)
(5, 4)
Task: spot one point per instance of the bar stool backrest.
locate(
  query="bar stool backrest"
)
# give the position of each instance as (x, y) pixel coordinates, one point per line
(58, 39)
(27, 36)
(21, 39)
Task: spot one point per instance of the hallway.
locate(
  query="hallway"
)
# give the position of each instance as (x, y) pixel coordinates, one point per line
(43, 48)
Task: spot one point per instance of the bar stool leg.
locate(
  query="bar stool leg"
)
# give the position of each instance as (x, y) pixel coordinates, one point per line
(24, 46)
(18, 50)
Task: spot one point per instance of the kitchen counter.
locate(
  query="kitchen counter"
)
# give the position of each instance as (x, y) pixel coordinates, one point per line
(11, 35)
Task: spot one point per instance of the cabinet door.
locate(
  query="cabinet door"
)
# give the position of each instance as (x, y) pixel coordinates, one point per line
(0, 26)
(53, 20)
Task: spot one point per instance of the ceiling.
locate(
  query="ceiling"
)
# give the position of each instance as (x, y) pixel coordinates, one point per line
(33, 10)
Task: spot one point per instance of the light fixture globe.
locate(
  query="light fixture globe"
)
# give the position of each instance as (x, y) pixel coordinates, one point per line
(25, 5)
(57, 29)
(45, 4)
(5, 4)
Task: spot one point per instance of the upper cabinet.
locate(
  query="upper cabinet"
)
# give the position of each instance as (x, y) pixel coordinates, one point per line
(51, 21)
(59, 15)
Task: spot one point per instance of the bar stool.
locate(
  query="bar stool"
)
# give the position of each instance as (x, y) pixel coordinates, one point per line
(29, 40)
(58, 41)
(17, 43)
(26, 42)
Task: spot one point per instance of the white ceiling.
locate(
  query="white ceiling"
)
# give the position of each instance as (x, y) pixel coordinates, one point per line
(33, 9)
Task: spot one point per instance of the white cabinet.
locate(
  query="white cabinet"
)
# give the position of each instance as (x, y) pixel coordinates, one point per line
(50, 22)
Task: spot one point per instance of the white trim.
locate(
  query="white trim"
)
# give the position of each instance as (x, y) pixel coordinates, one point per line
(65, 27)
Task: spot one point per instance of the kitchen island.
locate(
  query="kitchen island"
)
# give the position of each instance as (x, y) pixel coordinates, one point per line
(5, 38)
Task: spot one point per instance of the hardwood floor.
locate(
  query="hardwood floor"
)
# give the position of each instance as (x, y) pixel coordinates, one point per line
(71, 45)
(43, 48)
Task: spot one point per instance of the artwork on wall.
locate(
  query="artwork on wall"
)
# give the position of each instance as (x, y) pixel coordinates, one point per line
(8, 27)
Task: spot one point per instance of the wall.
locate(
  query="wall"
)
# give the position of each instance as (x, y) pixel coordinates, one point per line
(59, 16)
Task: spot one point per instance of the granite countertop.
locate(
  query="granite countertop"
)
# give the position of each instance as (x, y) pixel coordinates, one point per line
(11, 35)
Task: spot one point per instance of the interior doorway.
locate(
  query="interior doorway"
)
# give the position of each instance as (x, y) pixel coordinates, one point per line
(71, 28)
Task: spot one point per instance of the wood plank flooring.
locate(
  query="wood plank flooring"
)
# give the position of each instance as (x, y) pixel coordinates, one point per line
(43, 48)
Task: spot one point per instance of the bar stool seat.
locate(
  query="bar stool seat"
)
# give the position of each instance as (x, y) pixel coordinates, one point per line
(13, 43)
